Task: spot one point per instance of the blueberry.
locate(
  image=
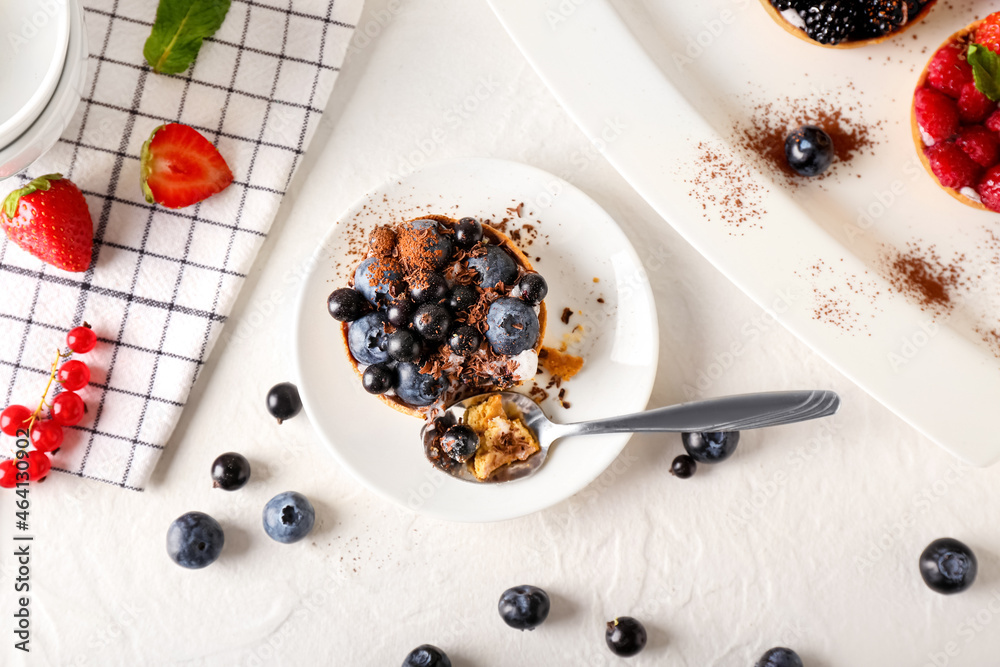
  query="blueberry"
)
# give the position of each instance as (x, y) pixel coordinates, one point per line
(779, 657)
(683, 467)
(524, 607)
(283, 401)
(428, 287)
(460, 442)
(710, 447)
(427, 656)
(462, 298)
(379, 278)
(468, 232)
(346, 304)
(421, 250)
(494, 268)
(464, 340)
(513, 326)
(432, 322)
(230, 471)
(378, 378)
(194, 540)
(809, 150)
(416, 388)
(948, 566)
(625, 636)
(403, 345)
(366, 339)
(400, 312)
(288, 517)
(533, 288)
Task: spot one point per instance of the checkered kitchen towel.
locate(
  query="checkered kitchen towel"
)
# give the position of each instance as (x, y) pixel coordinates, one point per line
(162, 281)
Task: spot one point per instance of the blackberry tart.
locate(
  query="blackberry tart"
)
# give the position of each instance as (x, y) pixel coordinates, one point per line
(440, 310)
(846, 24)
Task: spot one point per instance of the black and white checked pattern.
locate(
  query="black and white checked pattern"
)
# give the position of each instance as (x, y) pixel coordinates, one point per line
(163, 282)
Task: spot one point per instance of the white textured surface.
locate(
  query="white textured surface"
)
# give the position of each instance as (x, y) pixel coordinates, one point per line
(765, 549)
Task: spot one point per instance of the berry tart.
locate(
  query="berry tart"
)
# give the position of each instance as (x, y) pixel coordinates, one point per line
(954, 118)
(440, 310)
(846, 24)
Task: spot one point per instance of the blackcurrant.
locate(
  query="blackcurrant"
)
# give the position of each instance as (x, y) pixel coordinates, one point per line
(432, 322)
(378, 378)
(283, 401)
(230, 471)
(533, 288)
(403, 345)
(346, 304)
(462, 298)
(683, 467)
(468, 232)
(465, 340)
(400, 312)
(625, 636)
(428, 287)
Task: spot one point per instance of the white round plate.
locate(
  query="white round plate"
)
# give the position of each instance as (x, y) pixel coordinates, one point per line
(32, 51)
(45, 131)
(583, 255)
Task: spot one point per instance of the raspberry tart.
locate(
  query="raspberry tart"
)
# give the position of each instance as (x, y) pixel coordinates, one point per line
(440, 310)
(955, 118)
(846, 24)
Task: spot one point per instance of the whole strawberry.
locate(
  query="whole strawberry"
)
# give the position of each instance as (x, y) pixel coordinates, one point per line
(49, 218)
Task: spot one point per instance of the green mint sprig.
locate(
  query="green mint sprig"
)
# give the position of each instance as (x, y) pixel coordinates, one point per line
(178, 31)
(985, 70)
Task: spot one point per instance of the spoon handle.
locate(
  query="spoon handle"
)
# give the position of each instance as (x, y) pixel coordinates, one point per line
(729, 413)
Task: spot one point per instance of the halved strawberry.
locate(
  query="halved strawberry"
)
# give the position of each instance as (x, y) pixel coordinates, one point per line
(952, 166)
(988, 33)
(948, 70)
(49, 218)
(937, 114)
(180, 167)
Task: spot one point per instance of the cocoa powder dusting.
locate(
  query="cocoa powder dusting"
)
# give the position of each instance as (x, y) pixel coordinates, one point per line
(726, 189)
(764, 133)
(924, 277)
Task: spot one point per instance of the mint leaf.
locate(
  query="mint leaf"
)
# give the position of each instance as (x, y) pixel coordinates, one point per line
(179, 28)
(985, 70)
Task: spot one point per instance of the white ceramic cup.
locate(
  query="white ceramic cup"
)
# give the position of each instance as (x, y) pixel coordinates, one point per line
(46, 62)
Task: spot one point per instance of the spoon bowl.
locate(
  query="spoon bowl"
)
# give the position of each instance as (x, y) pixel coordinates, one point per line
(730, 413)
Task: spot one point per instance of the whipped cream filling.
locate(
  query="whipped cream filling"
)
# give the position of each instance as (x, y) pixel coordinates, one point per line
(970, 194)
(927, 139)
(793, 17)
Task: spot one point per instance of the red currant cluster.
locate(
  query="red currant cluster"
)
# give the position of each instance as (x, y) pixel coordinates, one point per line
(66, 409)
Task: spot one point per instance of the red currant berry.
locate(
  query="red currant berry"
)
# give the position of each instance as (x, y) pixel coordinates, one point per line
(81, 340)
(74, 375)
(14, 419)
(8, 474)
(46, 436)
(67, 409)
(39, 465)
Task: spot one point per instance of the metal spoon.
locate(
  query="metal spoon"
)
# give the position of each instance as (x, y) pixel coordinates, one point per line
(729, 413)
